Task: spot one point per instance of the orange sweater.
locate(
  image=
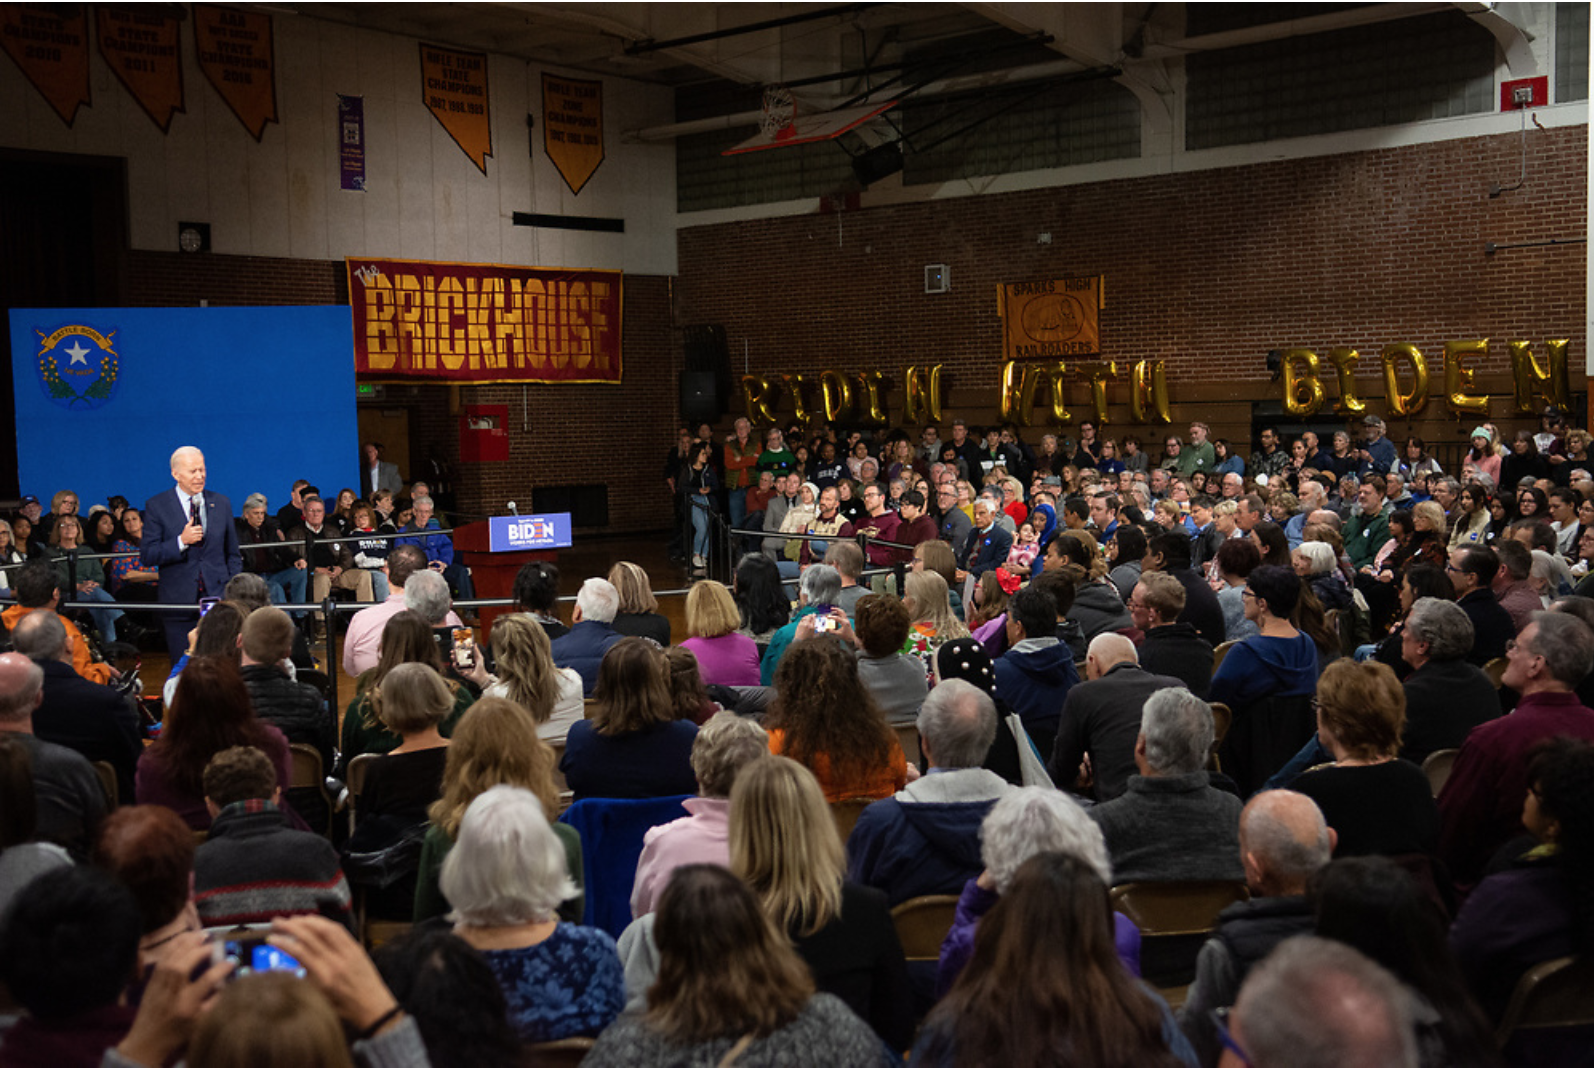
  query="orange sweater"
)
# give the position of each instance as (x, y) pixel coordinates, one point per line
(81, 663)
(881, 782)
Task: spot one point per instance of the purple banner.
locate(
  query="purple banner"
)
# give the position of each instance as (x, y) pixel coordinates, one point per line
(351, 141)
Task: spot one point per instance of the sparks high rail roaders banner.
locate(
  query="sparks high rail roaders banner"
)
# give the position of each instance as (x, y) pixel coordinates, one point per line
(473, 322)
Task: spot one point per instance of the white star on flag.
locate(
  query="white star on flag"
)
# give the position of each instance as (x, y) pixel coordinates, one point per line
(77, 352)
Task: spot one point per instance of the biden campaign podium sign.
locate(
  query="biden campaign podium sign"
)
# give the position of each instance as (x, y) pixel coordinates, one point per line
(517, 533)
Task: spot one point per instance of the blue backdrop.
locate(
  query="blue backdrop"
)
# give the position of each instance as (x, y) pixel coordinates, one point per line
(104, 395)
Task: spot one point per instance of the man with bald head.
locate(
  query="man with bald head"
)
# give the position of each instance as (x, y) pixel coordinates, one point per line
(1101, 718)
(1318, 1003)
(1283, 843)
(67, 792)
(189, 537)
(1326, 517)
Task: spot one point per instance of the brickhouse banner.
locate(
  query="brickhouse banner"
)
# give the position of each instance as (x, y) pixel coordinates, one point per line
(1055, 318)
(479, 323)
(236, 56)
(141, 48)
(50, 43)
(572, 127)
(454, 89)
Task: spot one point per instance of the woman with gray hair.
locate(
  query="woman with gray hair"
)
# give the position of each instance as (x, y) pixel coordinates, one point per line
(820, 590)
(1445, 695)
(1550, 576)
(505, 878)
(1024, 822)
(723, 746)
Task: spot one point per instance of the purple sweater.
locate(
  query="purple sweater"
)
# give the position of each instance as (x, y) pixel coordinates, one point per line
(975, 902)
(153, 785)
(729, 660)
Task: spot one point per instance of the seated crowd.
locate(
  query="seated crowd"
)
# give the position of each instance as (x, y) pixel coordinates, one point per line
(1098, 670)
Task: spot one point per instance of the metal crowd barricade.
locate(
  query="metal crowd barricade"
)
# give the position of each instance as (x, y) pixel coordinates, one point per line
(898, 568)
(331, 608)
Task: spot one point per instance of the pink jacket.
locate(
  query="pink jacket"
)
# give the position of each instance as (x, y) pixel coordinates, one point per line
(701, 838)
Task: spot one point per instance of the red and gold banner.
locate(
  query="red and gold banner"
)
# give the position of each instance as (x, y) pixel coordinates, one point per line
(473, 322)
(141, 48)
(1060, 317)
(572, 127)
(236, 55)
(50, 42)
(454, 89)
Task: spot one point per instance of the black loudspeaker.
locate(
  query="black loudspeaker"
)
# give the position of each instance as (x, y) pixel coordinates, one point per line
(705, 373)
(881, 161)
(700, 397)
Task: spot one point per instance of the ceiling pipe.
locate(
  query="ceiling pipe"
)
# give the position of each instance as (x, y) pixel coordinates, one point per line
(638, 48)
(1040, 71)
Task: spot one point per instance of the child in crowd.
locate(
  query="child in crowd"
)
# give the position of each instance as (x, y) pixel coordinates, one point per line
(1023, 553)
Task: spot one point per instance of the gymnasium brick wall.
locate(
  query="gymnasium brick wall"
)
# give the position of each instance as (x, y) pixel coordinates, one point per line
(578, 434)
(1207, 270)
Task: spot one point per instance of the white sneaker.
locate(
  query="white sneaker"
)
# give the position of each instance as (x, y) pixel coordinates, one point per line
(698, 561)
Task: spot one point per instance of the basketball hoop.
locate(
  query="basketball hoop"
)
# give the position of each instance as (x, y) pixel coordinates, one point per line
(779, 111)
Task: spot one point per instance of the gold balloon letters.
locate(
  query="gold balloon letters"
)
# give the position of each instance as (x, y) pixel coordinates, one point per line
(1533, 384)
(799, 406)
(835, 393)
(921, 395)
(1344, 361)
(1019, 382)
(1097, 376)
(759, 396)
(1458, 379)
(1405, 404)
(1528, 378)
(1294, 402)
(1148, 388)
(872, 412)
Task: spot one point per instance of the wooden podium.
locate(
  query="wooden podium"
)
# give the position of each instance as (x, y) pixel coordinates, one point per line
(493, 573)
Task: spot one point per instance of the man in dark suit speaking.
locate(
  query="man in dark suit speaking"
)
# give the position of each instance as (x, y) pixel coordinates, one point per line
(189, 536)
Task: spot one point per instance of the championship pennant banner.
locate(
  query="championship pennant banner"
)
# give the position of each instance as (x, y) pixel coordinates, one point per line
(1055, 318)
(454, 88)
(478, 323)
(572, 127)
(236, 56)
(141, 48)
(50, 43)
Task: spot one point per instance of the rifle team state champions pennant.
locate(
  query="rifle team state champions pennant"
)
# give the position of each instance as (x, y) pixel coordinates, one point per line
(454, 88)
(572, 127)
